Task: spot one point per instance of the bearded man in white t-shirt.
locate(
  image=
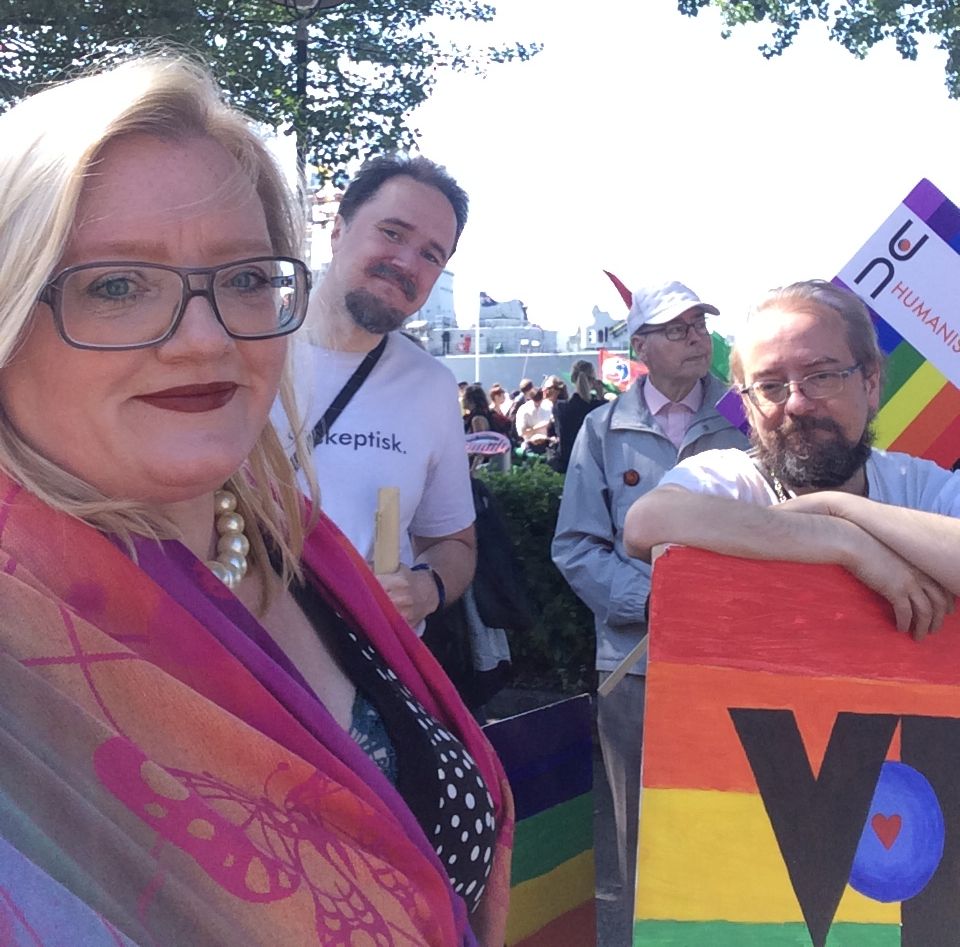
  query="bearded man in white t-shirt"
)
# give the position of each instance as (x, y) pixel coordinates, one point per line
(814, 489)
(397, 227)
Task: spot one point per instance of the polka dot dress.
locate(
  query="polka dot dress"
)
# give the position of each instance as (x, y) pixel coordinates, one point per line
(464, 829)
(429, 766)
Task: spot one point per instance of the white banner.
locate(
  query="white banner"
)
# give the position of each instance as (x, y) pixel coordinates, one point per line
(911, 278)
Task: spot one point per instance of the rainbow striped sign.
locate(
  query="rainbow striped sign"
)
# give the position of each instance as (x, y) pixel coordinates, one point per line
(908, 274)
(801, 771)
(548, 756)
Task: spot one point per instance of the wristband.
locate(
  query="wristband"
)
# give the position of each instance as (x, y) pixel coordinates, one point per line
(441, 589)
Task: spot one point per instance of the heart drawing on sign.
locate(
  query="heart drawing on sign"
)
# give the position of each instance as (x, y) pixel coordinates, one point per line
(887, 828)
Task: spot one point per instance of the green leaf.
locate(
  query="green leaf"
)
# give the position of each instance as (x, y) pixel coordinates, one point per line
(858, 25)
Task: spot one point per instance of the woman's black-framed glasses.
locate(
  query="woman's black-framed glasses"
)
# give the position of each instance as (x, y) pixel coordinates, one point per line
(132, 305)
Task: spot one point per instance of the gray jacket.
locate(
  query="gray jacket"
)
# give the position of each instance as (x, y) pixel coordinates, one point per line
(615, 441)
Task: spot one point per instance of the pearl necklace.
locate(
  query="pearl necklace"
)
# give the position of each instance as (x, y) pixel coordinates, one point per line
(230, 566)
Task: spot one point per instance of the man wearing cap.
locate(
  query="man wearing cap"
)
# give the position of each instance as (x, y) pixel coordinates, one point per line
(621, 452)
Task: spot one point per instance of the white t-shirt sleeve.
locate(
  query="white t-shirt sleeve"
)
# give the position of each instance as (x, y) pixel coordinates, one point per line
(724, 473)
(913, 482)
(948, 500)
(520, 421)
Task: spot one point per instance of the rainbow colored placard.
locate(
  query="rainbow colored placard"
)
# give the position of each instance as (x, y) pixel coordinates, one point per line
(801, 773)
(548, 756)
(908, 274)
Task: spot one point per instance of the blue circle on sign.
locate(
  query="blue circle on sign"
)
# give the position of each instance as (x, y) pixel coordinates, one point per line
(903, 837)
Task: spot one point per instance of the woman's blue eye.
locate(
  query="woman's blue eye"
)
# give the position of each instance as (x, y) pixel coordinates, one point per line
(115, 287)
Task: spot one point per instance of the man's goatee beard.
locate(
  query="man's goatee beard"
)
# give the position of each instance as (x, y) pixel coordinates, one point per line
(800, 459)
(371, 313)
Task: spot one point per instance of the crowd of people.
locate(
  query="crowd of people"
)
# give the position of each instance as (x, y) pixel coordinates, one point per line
(218, 722)
(539, 421)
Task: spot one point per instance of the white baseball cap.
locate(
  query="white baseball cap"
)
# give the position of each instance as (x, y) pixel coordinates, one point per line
(658, 305)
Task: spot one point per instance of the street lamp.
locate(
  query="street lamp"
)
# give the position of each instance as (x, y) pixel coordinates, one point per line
(525, 351)
(303, 10)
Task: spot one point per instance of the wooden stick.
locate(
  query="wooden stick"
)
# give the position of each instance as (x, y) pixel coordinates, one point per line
(640, 649)
(620, 671)
(386, 545)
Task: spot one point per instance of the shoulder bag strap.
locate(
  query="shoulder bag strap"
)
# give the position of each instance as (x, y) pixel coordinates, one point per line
(343, 397)
(351, 387)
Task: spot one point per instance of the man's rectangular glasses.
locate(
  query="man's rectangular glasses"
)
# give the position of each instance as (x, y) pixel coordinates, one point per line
(678, 331)
(815, 386)
(133, 305)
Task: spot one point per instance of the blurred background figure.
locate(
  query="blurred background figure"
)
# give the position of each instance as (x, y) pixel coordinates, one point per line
(499, 399)
(554, 390)
(519, 397)
(497, 403)
(479, 417)
(533, 423)
(476, 410)
(568, 415)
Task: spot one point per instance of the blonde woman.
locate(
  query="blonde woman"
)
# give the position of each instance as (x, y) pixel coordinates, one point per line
(215, 727)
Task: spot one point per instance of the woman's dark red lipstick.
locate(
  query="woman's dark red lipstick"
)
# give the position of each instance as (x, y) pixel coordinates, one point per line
(191, 399)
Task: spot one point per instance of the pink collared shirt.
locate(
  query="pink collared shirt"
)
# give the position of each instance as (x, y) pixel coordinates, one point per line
(674, 417)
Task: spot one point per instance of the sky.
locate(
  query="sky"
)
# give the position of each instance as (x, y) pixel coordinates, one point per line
(642, 142)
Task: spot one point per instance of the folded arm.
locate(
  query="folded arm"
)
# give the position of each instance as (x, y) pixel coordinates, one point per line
(928, 541)
(671, 514)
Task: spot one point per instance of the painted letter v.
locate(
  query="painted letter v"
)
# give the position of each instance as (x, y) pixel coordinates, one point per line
(817, 821)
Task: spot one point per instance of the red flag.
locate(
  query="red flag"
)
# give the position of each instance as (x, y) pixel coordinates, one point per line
(619, 371)
(625, 293)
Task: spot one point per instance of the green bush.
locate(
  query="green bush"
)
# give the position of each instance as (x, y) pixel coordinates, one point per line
(558, 652)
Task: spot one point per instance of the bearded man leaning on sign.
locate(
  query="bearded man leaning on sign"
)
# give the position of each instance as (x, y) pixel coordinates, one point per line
(813, 489)
(392, 408)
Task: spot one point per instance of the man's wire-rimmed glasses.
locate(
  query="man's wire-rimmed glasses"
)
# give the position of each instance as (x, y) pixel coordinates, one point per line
(678, 331)
(815, 386)
(134, 305)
